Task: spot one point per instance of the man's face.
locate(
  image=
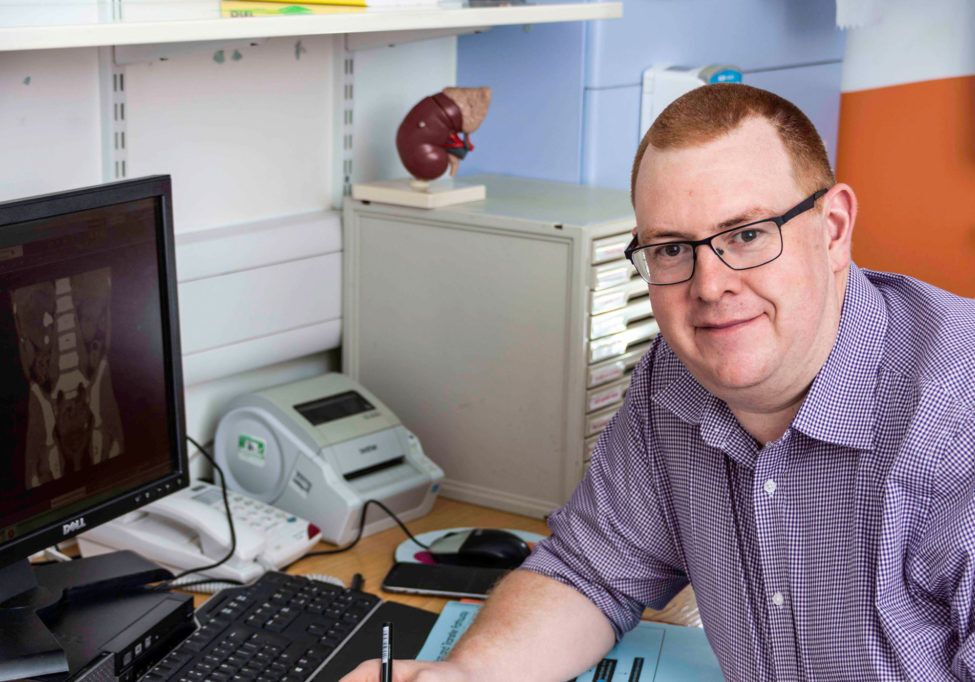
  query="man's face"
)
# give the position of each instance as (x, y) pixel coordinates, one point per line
(754, 338)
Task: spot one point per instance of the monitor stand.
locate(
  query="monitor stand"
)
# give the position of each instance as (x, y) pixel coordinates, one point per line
(27, 648)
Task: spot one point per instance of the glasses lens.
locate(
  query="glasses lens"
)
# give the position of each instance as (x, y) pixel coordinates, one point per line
(665, 263)
(750, 246)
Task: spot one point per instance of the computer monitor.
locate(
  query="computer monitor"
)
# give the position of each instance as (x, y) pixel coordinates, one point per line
(91, 394)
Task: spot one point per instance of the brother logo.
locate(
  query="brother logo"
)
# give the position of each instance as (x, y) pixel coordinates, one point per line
(77, 524)
(368, 448)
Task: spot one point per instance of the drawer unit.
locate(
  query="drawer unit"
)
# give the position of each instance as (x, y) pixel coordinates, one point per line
(610, 248)
(597, 421)
(618, 320)
(611, 274)
(604, 300)
(502, 332)
(607, 395)
(614, 368)
(617, 344)
(590, 446)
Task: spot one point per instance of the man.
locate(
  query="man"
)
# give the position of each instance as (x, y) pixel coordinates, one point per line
(799, 443)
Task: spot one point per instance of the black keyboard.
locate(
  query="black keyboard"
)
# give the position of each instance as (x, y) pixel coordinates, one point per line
(281, 628)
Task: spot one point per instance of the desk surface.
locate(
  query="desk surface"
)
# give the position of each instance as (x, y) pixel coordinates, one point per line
(373, 556)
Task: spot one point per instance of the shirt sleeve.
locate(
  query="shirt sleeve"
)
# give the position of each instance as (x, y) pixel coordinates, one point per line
(611, 541)
(934, 613)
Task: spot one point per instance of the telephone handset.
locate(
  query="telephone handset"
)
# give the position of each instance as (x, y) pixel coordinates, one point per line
(211, 525)
(189, 529)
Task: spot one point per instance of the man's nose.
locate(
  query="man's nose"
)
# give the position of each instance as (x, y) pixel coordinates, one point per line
(712, 278)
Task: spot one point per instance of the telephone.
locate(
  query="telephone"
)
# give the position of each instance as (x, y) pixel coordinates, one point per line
(189, 529)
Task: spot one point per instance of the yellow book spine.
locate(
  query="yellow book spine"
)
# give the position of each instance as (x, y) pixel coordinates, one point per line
(356, 3)
(263, 8)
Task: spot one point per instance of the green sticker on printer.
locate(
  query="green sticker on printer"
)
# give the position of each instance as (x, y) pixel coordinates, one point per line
(251, 450)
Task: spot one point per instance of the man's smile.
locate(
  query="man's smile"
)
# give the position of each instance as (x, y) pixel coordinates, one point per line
(725, 326)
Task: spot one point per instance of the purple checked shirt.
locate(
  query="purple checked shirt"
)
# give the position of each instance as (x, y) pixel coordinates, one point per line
(845, 550)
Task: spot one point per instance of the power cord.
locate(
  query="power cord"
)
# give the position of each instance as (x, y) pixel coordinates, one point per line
(362, 524)
(184, 582)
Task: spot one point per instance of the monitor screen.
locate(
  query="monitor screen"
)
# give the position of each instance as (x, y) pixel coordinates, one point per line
(91, 411)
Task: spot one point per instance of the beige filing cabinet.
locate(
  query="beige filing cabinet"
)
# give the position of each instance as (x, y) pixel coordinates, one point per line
(502, 332)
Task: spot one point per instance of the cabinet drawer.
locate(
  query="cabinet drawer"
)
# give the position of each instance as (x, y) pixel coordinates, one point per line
(614, 369)
(597, 421)
(618, 320)
(610, 248)
(616, 297)
(590, 446)
(610, 274)
(610, 394)
(617, 344)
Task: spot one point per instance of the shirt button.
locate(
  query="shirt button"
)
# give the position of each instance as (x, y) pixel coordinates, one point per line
(770, 486)
(778, 599)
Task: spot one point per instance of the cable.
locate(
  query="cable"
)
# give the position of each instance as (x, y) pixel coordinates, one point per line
(233, 534)
(165, 585)
(203, 585)
(362, 524)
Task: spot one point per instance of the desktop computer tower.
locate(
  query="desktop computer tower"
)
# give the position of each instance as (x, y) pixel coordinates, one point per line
(502, 331)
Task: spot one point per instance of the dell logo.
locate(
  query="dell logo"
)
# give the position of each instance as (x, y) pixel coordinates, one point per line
(368, 448)
(75, 525)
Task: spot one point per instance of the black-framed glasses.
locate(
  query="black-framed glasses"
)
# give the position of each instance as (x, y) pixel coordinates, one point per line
(740, 248)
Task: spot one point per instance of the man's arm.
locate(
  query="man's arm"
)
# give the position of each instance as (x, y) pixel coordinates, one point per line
(532, 628)
(925, 589)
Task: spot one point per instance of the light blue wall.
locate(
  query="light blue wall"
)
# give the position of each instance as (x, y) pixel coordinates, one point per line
(534, 126)
(575, 116)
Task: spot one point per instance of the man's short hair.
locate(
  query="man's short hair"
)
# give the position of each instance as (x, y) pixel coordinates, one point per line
(710, 111)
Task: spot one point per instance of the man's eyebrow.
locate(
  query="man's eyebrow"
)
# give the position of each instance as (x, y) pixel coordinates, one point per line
(748, 215)
(651, 234)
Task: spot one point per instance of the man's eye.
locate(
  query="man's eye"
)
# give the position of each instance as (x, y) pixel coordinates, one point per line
(668, 251)
(747, 235)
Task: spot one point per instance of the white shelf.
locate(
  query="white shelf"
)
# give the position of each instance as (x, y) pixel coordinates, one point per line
(36, 24)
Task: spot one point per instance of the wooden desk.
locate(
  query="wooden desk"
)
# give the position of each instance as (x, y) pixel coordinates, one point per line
(373, 556)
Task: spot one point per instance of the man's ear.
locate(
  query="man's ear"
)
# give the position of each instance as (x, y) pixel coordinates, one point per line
(839, 215)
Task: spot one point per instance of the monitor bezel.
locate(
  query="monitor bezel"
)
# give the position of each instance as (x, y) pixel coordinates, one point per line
(87, 198)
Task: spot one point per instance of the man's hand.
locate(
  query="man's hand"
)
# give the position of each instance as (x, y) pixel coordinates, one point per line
(409, 671)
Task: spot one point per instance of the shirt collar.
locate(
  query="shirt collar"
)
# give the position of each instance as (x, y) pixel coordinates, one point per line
(675, 389)
(840, 405)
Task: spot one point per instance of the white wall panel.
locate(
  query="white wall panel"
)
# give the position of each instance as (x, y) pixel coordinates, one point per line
(227, 360)
(245, 132)
(217, 311)
(234, 248)
(50, 130)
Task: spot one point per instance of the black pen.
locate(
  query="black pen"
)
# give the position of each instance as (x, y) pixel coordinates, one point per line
(386, 663)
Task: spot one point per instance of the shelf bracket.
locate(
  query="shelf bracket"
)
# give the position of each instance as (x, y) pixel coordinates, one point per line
(344, 125)
(111, 83)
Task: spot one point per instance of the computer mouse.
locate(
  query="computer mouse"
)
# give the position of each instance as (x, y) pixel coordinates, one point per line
(488, 547)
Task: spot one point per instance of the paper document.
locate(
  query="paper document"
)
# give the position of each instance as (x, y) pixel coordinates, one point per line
(651, 652)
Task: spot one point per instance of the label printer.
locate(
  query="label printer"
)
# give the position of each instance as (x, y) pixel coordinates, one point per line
(320, 448)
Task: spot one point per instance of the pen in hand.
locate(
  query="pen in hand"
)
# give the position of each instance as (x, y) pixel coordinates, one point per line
(386, 661)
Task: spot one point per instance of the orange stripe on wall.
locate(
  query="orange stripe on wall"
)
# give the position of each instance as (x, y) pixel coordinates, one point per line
(908, 151)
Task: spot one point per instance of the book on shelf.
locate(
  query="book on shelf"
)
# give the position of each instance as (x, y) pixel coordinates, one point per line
(246, 8)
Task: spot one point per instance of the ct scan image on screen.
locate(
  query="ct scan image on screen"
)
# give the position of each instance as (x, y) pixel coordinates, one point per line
(64, 337)
(83, 398)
